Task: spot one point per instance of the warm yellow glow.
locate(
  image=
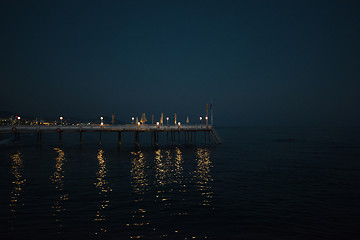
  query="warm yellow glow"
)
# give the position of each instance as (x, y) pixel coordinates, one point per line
(179, 123)
(178, 165)
(57, 179)
(140, 183)
(206, 118)
(61, 118)
(143, 118)
(200, 118)
(102, 124)
(157, 123)
(18, 118)
(18, 182)
(161, 168)
(138, 174)
(102, 185)
(169, 178)
(203, 175)
(138, 123)
(167, 170)
(101, 118)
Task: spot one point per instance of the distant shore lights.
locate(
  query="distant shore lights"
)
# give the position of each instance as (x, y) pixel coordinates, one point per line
(101, 120)
(61, 120)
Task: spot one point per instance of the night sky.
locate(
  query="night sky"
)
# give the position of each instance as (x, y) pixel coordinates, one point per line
(259, 62)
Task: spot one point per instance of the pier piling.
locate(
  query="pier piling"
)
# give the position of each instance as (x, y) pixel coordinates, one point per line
(173, 133)
(119, 138)
(137, 139)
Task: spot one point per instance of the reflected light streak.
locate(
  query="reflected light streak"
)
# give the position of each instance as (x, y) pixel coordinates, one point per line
(161, 168)
(138, 174)
(140, 185)
(167, 170)
(58, 179)
(102, 185)
(18, 182)
(178, 165)
(203, 175)
(178, 179)
(170, 187)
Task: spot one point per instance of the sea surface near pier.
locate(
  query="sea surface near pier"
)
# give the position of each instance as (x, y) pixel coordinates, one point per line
(260, 183)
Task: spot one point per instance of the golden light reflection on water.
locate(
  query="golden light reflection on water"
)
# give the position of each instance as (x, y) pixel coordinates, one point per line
(138, 174)
(161, 167)
(168, 174)
(164, 174)
(140, 185)
(170, 184)
(18, 182)
(163, 183)
(178, 165)
(203, 175)
(167, 169)
(57, 179)
(103, 186)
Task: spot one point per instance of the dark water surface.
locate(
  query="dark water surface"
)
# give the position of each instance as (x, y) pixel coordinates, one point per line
(261, 183)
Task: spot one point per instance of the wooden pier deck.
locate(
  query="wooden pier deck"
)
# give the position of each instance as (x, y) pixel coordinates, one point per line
(155, 129)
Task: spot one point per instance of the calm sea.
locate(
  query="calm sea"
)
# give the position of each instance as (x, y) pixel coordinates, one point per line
(260, 183)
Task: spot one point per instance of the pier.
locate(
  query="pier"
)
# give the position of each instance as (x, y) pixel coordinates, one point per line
(189, 131)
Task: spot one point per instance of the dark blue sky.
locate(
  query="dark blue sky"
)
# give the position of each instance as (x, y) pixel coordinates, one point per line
(260, 62)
